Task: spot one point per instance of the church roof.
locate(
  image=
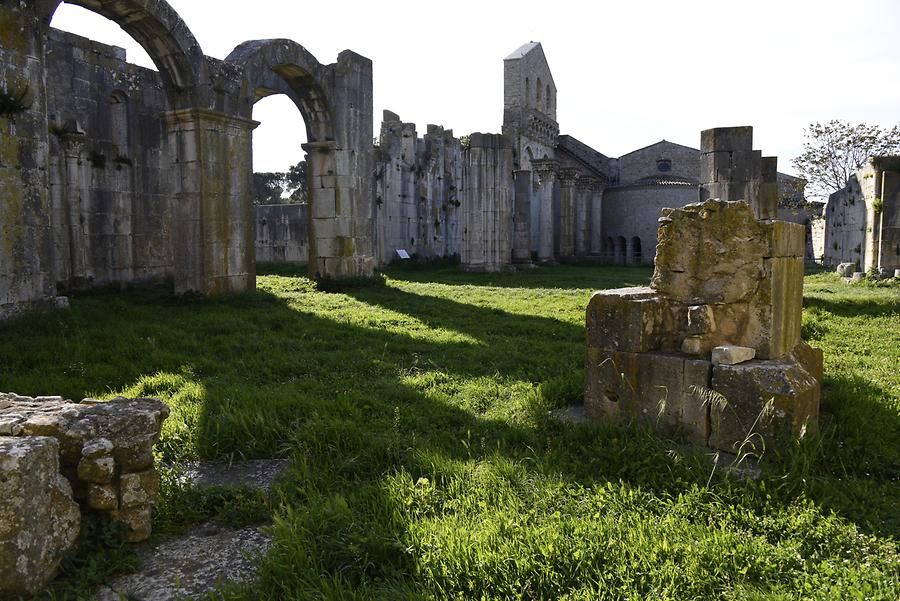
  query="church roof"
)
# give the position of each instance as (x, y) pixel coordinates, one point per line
(522, 50)
(584, 154)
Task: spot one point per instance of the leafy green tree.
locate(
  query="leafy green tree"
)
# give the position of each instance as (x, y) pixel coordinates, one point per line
(833, 151)
(281, 187)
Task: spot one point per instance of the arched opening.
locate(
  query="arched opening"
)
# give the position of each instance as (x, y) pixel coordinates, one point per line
(538, 103)
(527, 93)
(549, 100)
(284, 67)
(280, 186)
(621, 252)
(636, 256)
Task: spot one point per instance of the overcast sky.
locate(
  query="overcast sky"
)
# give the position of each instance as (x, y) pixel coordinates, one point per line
(629, 73)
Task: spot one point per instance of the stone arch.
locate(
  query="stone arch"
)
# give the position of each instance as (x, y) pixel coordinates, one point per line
(339, 155)
(285, 67)
(160, 31)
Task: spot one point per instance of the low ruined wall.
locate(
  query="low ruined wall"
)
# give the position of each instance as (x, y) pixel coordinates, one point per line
(282, 233)
(53, 451)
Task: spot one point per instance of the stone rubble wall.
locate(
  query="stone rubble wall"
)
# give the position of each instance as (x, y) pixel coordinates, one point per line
(53, 451)
(862, 220)
(712, 347)
(282, 233)
(418, 191)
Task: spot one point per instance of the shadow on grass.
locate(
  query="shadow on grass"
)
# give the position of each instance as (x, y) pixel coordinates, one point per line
(591, 277)
(853, 307)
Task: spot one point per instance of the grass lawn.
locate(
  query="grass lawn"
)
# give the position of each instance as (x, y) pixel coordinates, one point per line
(424, 461)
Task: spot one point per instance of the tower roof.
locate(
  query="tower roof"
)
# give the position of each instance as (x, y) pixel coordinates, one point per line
(522, 50)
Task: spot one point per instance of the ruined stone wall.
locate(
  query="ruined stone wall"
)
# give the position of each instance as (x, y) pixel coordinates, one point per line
(26, 260)
(418, 191)
(282, 233)
(110, 166)
(660, 159)
(846, 220)
(631, 212)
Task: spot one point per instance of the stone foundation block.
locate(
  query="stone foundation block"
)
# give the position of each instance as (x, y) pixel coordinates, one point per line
(655, 387)
(39, 521)
(139, 489)
(102, 497)
(99, 470)
(732, 355)
(632, 320)
(136, 521)
(768, 403)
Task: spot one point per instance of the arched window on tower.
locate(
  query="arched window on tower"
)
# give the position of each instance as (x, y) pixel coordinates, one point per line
(549, 100)
(527, 93)
(538, 104)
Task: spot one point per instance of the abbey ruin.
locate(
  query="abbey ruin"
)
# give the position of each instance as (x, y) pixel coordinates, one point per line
(115, 174)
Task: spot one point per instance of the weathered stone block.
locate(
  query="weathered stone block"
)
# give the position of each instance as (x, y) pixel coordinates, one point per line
(102, 497)
(626, 319)
(39, 521)
(780, 303)
(655, 387)
(785, 239)
(846, 270)
(137, 522)
(138, 489)
(709, 252)
(732, 355)
(98, 470)
(726, 139)
(780, 397)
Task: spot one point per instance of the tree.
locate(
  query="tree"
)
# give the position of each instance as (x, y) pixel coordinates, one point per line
(281, 187)
(834, 151)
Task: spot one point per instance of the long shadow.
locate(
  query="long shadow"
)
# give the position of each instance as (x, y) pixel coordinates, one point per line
(854, 308)
(592, 277)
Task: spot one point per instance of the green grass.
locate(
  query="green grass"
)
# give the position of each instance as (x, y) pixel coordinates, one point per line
(424, 463)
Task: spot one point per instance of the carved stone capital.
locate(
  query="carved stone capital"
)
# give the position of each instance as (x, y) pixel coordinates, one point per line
(546, 169)
(568, 177)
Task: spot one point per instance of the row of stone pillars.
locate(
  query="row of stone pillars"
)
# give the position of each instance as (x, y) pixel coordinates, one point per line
(578, 220)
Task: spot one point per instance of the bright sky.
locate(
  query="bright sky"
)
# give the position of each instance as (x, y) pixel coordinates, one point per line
(629, 73)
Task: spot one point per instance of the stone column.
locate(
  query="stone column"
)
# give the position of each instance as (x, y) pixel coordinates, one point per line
(596, 245)
(546, 170)
(487, 204)
(522, 218)
(567, 179)
(582, 215)
(75, 221)
(213, 237)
